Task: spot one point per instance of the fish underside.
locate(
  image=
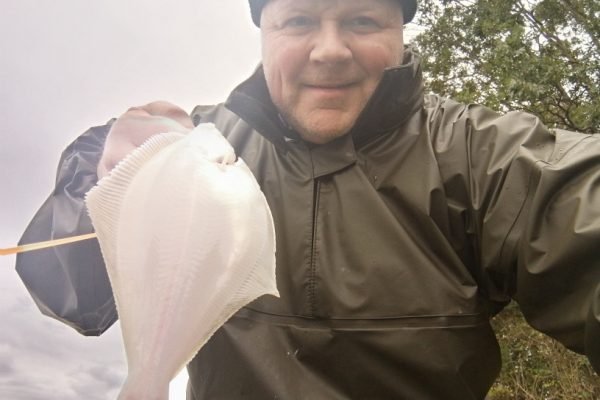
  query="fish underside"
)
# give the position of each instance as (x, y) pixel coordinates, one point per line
(188, 239)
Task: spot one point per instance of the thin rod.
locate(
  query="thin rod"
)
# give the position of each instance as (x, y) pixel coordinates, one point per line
(43, 245)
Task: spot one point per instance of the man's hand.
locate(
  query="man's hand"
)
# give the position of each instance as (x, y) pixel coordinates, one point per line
(138, 124)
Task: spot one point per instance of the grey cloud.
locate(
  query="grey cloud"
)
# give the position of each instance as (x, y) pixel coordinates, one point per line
(107, 375)
(6, 364)
(6, 368)
(96, 383)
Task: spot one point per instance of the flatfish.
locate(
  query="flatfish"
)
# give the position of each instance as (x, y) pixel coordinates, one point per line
(188, 239)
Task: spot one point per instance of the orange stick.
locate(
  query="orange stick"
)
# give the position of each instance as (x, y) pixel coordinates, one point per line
(46, 244)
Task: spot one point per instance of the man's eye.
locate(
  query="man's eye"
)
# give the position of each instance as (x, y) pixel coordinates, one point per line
(299, 22)
(363, 23)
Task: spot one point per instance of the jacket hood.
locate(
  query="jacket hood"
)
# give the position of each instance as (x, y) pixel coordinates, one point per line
(398, 95)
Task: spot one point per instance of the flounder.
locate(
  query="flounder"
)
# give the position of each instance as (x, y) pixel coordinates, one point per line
(188, 239)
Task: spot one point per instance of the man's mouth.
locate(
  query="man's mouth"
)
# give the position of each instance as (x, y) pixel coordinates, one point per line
(330, 86)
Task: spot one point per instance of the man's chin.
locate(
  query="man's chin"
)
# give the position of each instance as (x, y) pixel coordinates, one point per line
(321, 136)
(321, 132)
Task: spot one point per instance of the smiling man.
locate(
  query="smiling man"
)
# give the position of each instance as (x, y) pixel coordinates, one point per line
(404, 222)
(323, 60)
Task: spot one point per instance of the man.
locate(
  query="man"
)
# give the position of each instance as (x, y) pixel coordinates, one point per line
(404, 222)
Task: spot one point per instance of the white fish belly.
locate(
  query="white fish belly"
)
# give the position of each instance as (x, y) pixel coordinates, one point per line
(191, 243)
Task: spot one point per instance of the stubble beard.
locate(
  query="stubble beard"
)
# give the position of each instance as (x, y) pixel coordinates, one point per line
(317, 126)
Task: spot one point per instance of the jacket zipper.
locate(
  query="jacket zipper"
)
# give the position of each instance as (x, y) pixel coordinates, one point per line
(312, 281)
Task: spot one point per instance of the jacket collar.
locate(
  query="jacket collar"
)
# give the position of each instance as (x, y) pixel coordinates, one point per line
(396, 98)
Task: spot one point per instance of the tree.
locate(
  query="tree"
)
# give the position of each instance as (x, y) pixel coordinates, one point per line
(541, 56)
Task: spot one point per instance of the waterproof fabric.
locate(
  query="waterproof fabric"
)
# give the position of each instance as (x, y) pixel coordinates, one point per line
(396, 244)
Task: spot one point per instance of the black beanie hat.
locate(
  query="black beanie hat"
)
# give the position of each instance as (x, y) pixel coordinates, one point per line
(409, 8)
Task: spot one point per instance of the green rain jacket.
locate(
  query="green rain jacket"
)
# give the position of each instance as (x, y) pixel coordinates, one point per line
(396, 244)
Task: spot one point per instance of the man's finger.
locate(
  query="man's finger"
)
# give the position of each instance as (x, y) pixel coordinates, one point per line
(163, 109)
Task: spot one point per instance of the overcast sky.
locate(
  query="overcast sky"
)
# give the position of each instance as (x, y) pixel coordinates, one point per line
(66, 65)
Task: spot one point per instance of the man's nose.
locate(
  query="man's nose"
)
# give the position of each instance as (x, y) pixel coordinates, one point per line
(330, 45)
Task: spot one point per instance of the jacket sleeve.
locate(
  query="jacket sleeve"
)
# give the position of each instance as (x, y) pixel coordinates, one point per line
(534, 214)
(558, 252)
(70, 282)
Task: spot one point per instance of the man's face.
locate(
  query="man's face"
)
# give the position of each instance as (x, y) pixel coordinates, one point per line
(323, 59)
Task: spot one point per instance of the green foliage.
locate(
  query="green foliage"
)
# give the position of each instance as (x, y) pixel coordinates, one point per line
(541, 56)
(536, 367)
